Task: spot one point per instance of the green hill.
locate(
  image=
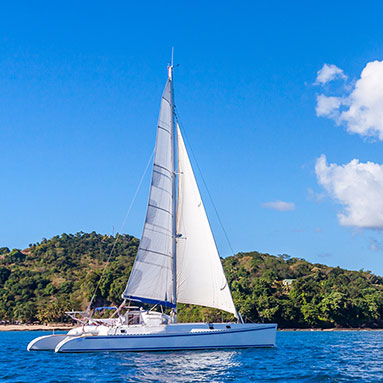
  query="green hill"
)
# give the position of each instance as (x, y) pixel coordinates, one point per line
(60, 274)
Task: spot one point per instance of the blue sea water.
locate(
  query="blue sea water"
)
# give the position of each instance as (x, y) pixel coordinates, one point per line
(339, 356)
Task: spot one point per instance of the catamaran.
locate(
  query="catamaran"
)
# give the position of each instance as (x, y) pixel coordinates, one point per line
(177, 262)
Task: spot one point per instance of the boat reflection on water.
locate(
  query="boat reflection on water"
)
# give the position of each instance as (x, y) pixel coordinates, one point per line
(191, 366)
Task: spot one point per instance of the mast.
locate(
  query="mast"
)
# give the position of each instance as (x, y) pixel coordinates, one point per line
(174, 192)
(153, 279)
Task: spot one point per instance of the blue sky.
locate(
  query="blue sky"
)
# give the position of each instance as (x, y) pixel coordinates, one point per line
(80, 86)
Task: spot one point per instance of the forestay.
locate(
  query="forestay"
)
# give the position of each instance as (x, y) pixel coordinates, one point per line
(151, 279)
(200, 276)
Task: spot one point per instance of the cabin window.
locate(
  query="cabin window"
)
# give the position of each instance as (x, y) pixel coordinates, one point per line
(211, 327)
(123, 331)
(228, 326)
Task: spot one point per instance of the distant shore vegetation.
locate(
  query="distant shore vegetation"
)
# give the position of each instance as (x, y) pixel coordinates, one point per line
(40, 283)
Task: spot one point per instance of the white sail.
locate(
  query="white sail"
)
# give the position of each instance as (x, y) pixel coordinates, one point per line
(151, 279)
(200, 276)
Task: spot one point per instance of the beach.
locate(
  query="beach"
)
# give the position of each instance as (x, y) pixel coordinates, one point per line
(36, 327)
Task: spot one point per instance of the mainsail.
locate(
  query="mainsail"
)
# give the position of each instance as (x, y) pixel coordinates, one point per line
(200, 276)
(177, 260)
(151, 279)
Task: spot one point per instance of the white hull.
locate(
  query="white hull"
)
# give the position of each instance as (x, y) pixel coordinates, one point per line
(49, 342)
(46, 342)
(176, 337)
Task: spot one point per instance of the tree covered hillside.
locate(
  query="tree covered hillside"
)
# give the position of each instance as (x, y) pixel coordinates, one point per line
(60, 274)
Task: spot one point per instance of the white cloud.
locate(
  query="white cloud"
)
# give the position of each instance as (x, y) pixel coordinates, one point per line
(365, 113)
(358, 187)
(279, 205)
(328, 106)
(329, 73)
(361, 111)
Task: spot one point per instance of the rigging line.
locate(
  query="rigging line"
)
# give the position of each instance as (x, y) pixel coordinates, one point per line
(178, 119)
(122, 226)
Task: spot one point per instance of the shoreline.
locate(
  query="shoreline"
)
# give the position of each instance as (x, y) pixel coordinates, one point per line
(67, 327)
(36, 327)
(331, 329)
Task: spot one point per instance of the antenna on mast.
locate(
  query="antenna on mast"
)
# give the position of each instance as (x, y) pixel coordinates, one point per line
(170, 67)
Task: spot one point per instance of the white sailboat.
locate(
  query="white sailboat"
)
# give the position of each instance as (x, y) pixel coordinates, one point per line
(177, 262)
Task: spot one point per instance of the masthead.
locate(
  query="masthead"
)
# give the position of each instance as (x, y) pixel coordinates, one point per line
(170, 66)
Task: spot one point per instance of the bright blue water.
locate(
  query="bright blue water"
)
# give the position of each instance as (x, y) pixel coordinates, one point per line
(299, 357)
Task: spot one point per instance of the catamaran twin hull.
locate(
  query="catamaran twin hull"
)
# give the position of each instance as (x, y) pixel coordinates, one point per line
(177, 262)
(173, 337)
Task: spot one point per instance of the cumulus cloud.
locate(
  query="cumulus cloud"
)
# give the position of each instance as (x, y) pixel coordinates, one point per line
(361, 110)
(358, 188)
(279, 205)
(365, 113)
(328, 106)
(329, 73)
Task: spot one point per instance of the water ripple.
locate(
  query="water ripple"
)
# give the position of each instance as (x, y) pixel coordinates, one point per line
(351, 356)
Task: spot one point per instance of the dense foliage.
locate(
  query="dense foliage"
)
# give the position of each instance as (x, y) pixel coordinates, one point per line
(297, 293)
(60, 274)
